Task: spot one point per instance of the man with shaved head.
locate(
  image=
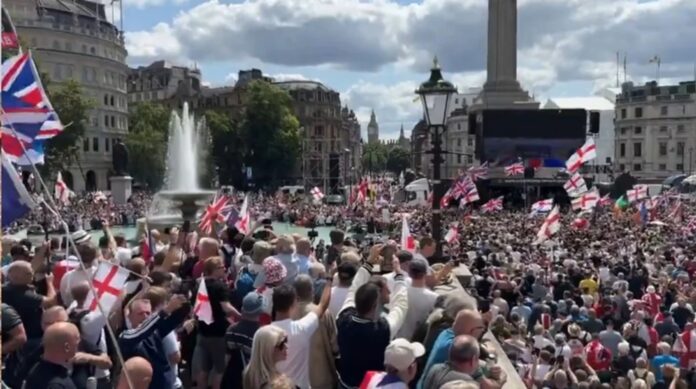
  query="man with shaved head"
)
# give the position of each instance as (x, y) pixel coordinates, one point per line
(60, 342)
(139, 372)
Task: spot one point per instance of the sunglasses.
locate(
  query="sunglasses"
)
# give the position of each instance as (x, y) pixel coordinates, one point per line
(283, 344)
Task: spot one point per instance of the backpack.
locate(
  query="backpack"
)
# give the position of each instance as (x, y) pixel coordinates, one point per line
(244, 284)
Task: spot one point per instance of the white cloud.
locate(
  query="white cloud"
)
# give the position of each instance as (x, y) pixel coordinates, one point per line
(141, 4)
(291, 77)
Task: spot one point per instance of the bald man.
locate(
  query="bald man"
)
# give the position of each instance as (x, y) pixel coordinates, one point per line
(139, 371)
(467, 322)
(60, 342)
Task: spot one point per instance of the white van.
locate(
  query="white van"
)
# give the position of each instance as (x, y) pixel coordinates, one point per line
(293, 190)
(417, 192)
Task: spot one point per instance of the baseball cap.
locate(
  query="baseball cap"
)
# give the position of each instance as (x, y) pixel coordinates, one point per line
(252, 304)
(401, 353)
(81, 236)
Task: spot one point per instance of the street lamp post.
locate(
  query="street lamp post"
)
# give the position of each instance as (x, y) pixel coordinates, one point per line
(435, 95)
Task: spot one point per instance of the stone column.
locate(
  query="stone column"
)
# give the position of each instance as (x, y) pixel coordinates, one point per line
(502, 41)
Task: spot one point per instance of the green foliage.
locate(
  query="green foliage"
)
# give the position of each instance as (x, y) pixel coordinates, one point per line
(398, 160)
(374, 157)
(270, 133)
(227, 148)
(72, 107)
(147, 144)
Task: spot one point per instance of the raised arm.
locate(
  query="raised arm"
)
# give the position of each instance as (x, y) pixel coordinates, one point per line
(399, 301)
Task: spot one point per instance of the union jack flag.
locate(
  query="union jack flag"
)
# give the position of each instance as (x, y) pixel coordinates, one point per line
(515, 169)
(27, 115)
(462, 187)
(493, 205)
(479, 172)
(216, 212)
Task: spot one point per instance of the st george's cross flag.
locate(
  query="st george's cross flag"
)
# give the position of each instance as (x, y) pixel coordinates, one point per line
(638, 192)
(452, 234)
(62, 192)
(109, 281)
(243, 225)
(575, 186)
(202, 308)
(408, 243)
(317, 194)
(685, 348)
(551, 225)
(586, 201)
(584, 154)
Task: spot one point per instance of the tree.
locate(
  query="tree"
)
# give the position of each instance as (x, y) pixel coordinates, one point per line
(270, 132)
(398, 160)
(72, 108)
(228, 148)
(374, 157)
(147, 144)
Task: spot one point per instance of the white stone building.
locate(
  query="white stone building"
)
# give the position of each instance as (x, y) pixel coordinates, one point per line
(73, 40)
(656, 129)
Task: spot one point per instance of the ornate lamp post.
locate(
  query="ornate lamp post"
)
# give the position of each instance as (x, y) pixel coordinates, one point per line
(435, 94)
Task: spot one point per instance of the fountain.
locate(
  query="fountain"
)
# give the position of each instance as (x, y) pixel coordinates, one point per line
(182, 191)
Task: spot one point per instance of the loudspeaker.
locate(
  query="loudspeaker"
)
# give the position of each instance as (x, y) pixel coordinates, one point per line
(529, 172)
(594, 122)
(334, 171)
(472, 123)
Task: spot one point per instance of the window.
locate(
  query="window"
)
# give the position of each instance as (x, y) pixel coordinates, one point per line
(622, 150)
(638, 130)
(680, 148)
(106, 144)
(637, 167)
(113, 121)
(459, 159)
(85, 144)
(680, 167)
(622, 167)
(624, 130)
(459, 142)
(95, 144)
(106, 120)
(680, 128)
(469, 141)
(663, 110)
(57, 72)
(637, 149)
(638, 112)
(106, 99)
(663, 128)
(623, 113)
(459, 126)
(92, 50)
(469, 159)
(56, 45)
(663, 167)
(663, 149)
(84, 49)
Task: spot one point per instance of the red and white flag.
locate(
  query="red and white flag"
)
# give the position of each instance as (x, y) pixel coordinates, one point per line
(515, 169)
(61, 190)
(470, 196)
(586, 153)
(676, 214)
(317, 194)
(493, 205)
(551, 225)
(605, 201)
(586, 201)
(408, 243)
(638, 192)
(685, 348)
(202, 308)
(109, 281)
(479, 172)
(244, 222)
(214, 213)
(452, 235)
(575, 186)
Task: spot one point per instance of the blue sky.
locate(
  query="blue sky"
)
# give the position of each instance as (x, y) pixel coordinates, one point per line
(376, 52)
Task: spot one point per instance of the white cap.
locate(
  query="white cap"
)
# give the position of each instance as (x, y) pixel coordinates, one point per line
(401, 353)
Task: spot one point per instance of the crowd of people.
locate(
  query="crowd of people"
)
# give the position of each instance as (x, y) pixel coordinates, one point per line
(609, 305)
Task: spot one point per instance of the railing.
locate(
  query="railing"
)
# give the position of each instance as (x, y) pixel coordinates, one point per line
(81, 30)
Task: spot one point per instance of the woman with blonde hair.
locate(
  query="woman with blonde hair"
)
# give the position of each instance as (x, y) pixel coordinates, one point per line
(270, 346)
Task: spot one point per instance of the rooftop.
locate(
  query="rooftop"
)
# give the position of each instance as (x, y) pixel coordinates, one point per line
(79, 7)
(303, 84)
(591, 103)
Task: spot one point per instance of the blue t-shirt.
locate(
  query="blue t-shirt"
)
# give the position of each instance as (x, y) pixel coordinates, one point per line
(659, 361)
(439, 353)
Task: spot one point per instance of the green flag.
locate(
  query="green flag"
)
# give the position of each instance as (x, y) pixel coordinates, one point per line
(621, 203)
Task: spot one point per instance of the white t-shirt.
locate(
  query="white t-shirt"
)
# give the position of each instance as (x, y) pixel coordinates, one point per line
(296, 366)
(390, 280)
(170, 344)
(420, 303)
(338, 297)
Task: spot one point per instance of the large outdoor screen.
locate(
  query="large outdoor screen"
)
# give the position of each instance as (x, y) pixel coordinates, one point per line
(506, 135)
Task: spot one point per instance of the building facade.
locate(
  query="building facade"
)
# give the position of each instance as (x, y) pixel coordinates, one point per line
(72, 40)
(163, 82)
(655, 131)
(352, 139)
(324, 156)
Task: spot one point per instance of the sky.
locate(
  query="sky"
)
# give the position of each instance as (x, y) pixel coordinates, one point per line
(376, 52)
